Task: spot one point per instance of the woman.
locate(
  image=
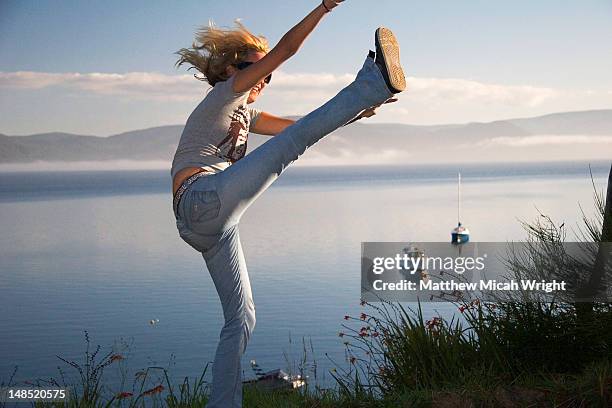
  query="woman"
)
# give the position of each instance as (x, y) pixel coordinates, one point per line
(213, 181)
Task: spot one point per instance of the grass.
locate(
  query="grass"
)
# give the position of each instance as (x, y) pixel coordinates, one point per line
(498, 355)
(398, 358)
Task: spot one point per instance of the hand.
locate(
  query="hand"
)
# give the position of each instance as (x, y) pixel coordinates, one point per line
(369, 112)
(331, 4)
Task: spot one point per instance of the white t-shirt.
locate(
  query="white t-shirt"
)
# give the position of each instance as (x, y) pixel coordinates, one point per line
(216, 133)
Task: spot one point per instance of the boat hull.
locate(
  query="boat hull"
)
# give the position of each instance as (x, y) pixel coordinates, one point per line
(459, 238)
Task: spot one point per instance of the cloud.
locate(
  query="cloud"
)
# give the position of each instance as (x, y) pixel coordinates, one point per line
(137, 85)
(465, 90)
(151, 99)
(348, 157)
(539, 140)
(315, 87)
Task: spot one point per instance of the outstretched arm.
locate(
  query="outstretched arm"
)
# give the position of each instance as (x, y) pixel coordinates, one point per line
(270, 125)
(286, 47)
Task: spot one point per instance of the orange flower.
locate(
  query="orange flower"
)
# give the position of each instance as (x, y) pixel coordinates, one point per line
(154, 390)
(116, 357)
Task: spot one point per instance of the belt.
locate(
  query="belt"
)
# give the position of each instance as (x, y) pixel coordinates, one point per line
(181, 190)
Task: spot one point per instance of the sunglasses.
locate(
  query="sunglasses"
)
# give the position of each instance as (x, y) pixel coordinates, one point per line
(243, 65)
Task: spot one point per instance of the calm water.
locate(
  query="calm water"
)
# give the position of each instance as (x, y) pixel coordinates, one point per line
(99, 251)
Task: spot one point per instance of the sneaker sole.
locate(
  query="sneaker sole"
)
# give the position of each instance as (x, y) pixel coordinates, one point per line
(387, 44)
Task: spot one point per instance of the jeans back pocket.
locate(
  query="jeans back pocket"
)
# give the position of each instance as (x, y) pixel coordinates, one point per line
(205, 206)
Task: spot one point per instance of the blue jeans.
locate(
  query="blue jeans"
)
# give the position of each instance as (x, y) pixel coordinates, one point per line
(210, 210)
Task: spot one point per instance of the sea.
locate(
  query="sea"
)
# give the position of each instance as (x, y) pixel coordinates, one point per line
(94, 259)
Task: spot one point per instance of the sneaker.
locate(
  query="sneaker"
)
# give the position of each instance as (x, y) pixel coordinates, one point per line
(388, 59)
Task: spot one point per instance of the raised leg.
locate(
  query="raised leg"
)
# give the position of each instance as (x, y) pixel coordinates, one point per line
(245, 180)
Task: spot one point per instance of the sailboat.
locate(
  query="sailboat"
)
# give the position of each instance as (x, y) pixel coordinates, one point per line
(460, 234)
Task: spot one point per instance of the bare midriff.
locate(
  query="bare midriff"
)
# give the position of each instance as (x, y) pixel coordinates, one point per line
(183, 175)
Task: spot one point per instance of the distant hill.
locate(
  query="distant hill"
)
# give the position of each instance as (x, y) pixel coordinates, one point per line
(560, 136)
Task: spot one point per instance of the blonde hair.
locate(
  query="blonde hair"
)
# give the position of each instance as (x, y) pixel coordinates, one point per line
(214, 49)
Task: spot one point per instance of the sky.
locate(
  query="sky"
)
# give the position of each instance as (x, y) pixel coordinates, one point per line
(105, 67)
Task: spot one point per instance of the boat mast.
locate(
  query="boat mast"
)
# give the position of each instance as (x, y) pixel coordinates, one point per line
(459, 199)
